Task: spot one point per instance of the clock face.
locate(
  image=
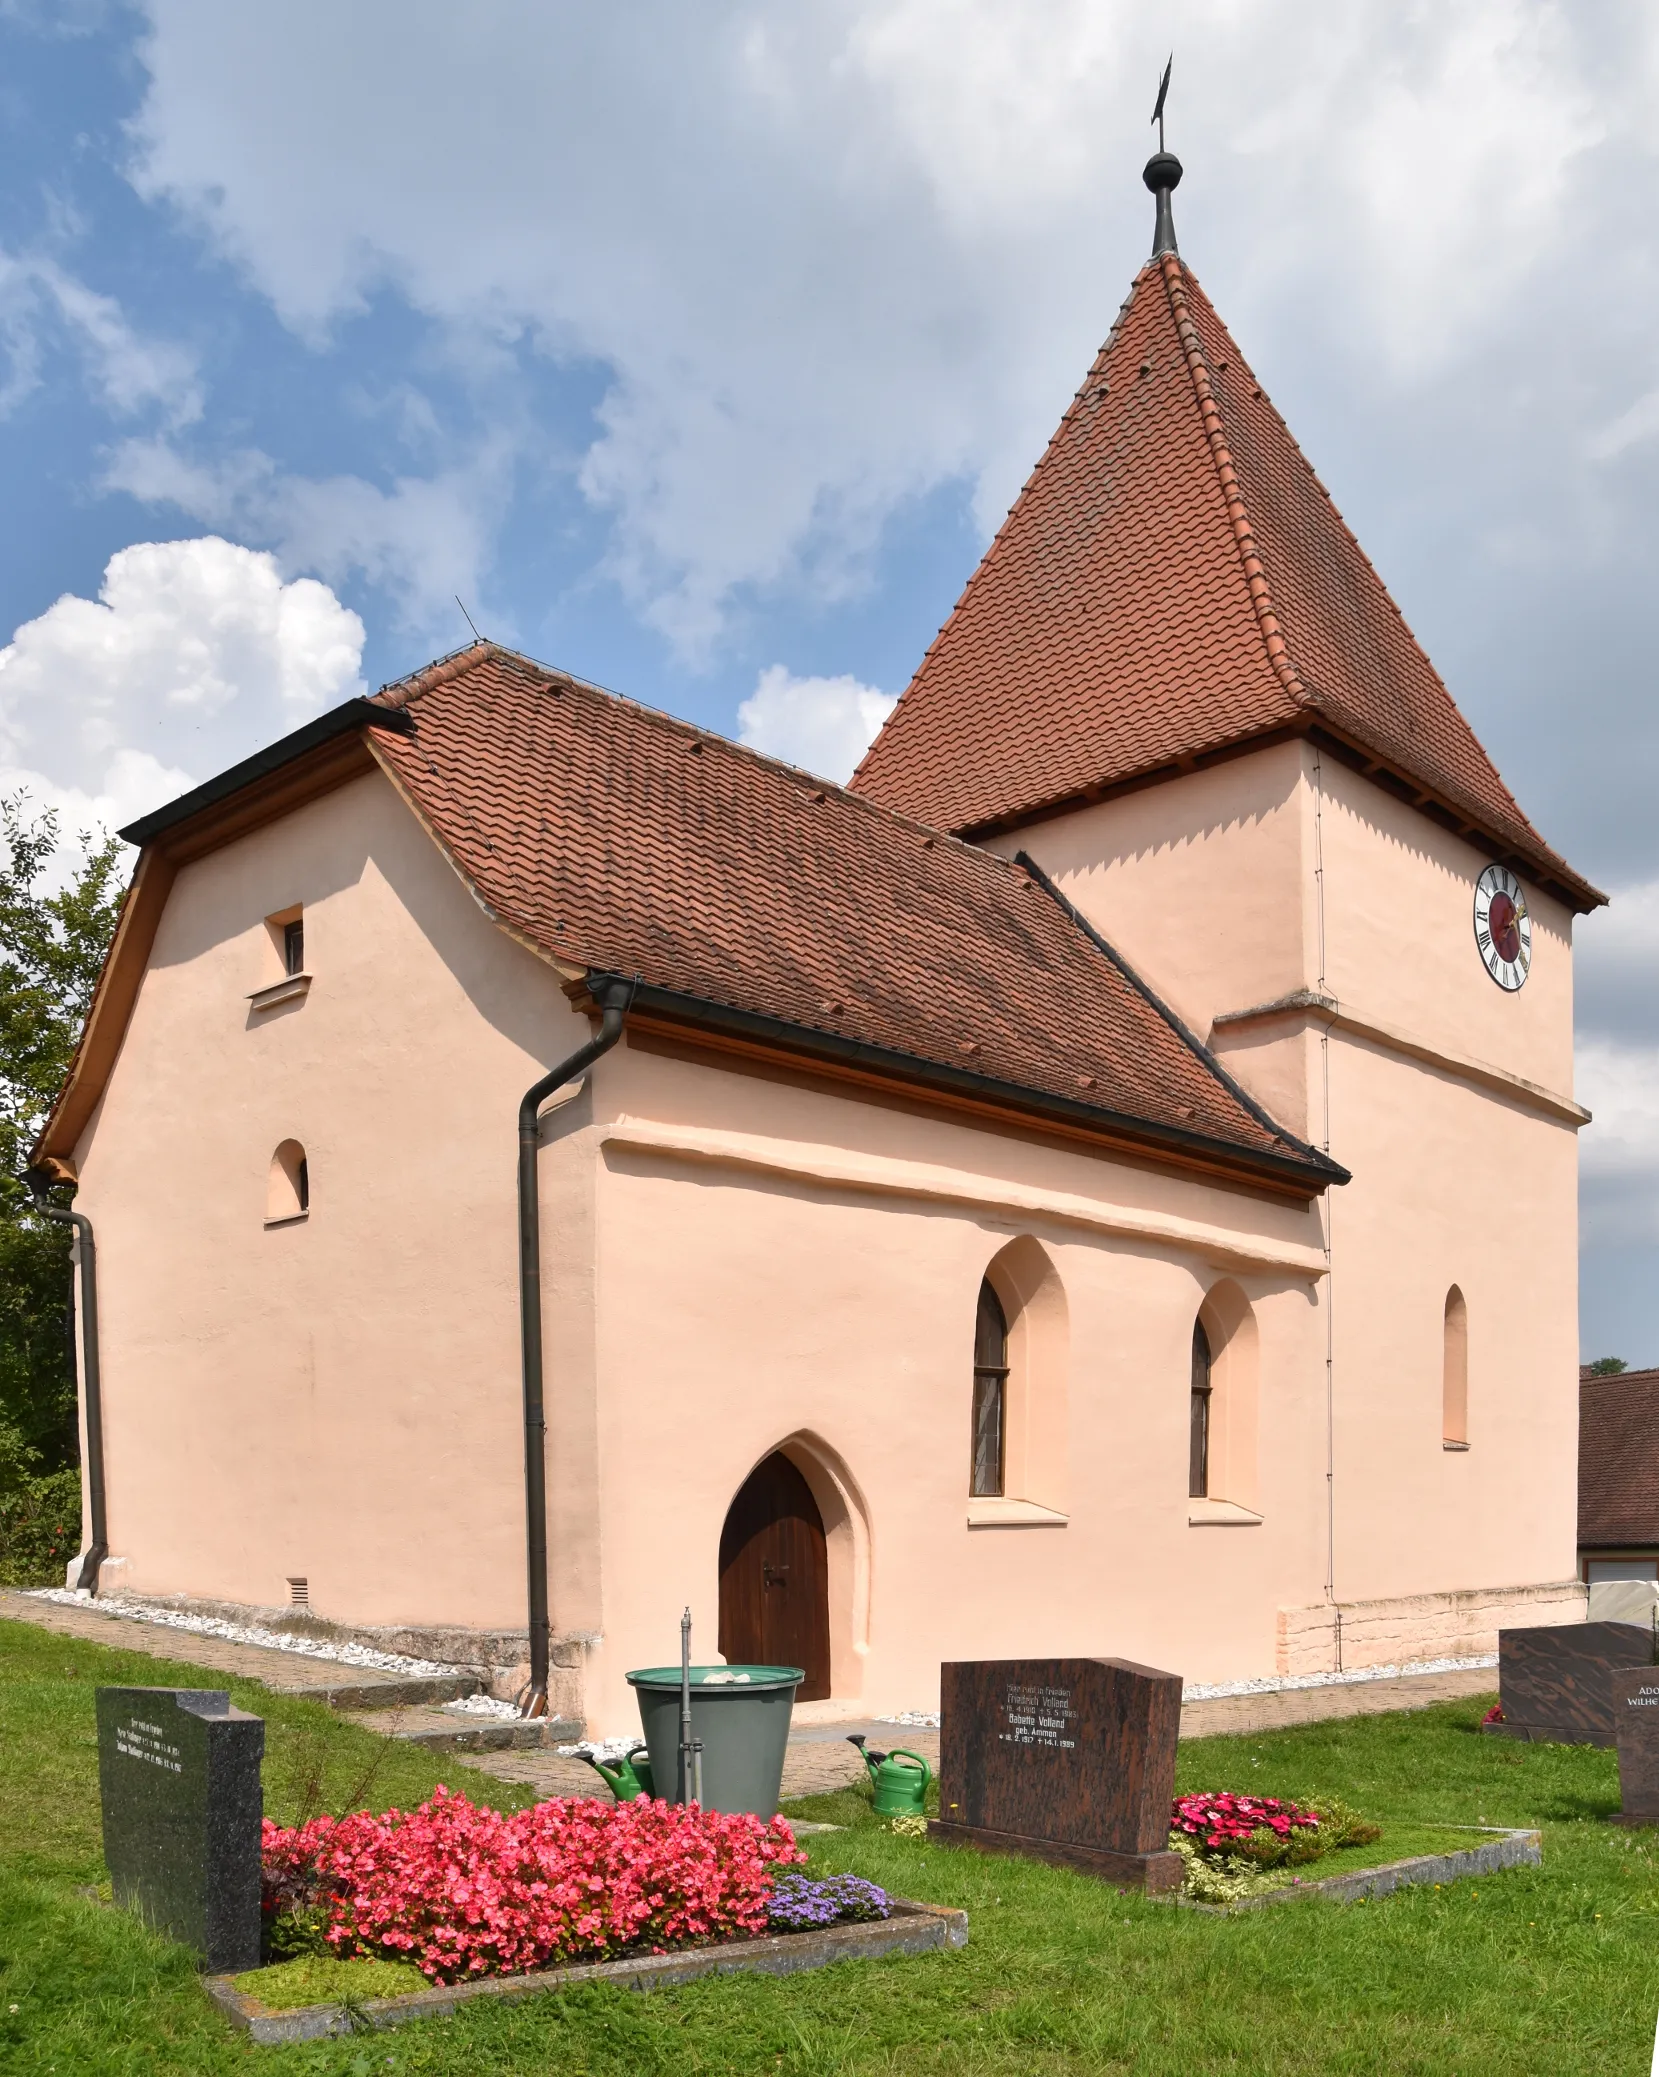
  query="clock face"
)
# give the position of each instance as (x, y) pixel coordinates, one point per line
(1503, 928)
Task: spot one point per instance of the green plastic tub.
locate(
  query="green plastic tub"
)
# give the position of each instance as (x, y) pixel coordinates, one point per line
(741, 1713)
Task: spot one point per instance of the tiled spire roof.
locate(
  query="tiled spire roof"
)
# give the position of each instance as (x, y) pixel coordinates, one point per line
(1172, 583)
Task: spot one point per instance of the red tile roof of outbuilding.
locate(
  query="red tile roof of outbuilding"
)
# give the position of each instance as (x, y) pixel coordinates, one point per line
(1618, 1460)
(621, 841)
(1172, 582)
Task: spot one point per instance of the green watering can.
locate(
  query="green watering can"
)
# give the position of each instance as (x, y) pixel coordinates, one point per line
(901, 1779)
(630, 1777)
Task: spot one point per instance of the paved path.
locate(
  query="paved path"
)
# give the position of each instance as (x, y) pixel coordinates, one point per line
(819, 1756)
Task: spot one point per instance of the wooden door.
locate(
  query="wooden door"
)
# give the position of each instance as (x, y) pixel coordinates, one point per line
(774, 1577)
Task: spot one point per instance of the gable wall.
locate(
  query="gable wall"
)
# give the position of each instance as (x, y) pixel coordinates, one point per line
(330, 1399)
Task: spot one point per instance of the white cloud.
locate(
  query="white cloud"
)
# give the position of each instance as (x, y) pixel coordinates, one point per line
(127, 371)
(822, 724)
(837, 255)
(190, 650)
(133, 783)
(1619, 1083)
(422, 541)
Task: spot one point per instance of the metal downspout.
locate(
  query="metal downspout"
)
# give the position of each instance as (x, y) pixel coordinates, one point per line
(91, 1377)
(614, 998)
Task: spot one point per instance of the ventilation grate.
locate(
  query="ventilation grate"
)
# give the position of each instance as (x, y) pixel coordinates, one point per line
(299, 1593)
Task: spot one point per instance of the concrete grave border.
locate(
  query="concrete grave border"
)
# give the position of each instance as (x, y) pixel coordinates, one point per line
(1505, 1848)
(913, 1929)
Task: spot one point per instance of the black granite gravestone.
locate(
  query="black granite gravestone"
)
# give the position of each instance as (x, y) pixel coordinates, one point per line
(1635, 1693)
(1067, 1760)
(178, 1775)
(1553, 1679)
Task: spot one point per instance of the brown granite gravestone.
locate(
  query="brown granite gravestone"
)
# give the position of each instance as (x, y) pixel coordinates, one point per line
(1553, 1679)
(1067, 1760)
(1635, 1693)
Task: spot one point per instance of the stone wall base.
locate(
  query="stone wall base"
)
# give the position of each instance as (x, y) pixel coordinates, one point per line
(1344, 1636)
(499, 1658)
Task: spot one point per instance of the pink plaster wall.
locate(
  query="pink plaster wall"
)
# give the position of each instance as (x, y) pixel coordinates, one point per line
(335, 1398)
(1209, 885)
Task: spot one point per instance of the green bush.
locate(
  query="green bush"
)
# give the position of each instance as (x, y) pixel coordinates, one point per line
(40, 1529)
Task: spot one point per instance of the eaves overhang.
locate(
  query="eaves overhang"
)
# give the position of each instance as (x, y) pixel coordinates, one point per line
(1531, 859)
(1298, 1172)
(349, 718)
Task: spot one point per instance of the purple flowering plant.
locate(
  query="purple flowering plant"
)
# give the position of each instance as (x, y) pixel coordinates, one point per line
(797, 1903)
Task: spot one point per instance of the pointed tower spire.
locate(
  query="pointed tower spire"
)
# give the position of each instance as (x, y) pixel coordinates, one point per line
(1172, 585)
(1163, 175)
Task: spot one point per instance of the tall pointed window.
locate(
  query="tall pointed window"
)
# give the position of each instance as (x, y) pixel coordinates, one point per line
(1454, 1373)
(990, 1395)
(1198, 1472)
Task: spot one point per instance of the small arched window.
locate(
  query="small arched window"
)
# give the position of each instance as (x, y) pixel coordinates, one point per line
(990, 1395)
(1198, 1468)
(288, 1190)
(1454, 1373)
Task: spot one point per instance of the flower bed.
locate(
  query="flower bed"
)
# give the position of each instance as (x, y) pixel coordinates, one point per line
(464, 1892)
(1237, 1846)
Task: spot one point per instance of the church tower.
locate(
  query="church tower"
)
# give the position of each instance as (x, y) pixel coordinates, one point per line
(1177, 685)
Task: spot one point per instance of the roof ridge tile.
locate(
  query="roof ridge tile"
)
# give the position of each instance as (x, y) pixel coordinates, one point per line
(1238, 513)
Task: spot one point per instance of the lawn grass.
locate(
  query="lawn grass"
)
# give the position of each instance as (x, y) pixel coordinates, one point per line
(1551, 1970)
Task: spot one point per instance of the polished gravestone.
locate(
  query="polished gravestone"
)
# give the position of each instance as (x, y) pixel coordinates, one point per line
(1067, 1760)
(1554, 1680)
(1635, 1693)
(178, 1776)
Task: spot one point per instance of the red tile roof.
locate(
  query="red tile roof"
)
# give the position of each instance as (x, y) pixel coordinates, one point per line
(622, 841)
(1172, 582)
(1618, 1460)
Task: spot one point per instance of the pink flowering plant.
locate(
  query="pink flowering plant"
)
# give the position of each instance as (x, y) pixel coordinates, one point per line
(463, 1892)
(1235, 1846)
(1259, 1828)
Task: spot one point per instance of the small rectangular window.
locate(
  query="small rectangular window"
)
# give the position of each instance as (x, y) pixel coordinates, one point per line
(293, 946)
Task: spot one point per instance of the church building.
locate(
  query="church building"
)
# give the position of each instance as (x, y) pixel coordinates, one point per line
(1104, 1182)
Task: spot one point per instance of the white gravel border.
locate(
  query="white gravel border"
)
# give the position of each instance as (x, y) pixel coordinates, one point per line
(1280, 1683)
(237, 1633)
(483, 1705)
(1263, 1684)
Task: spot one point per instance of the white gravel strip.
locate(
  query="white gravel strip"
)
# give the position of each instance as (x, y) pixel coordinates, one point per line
(237, 1633)
(610, 1750)
(1278, 1683)
(483, 1705)
(1264, 1684)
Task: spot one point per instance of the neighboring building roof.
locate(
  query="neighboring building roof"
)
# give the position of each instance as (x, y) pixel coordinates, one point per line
(1618, 1460)
(1174, 582)
(760, 907)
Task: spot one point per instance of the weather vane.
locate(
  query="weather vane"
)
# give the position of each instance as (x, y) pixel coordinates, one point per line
(1158, 105)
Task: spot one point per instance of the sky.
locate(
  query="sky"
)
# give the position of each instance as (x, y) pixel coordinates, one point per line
(700, 350)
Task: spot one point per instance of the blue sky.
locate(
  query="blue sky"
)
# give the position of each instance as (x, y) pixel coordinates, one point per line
(700, 350)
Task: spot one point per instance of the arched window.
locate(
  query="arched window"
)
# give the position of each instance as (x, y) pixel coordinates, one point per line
(990, 1395)
(288, 1189)
(1198, 1472)
(1454, 1373)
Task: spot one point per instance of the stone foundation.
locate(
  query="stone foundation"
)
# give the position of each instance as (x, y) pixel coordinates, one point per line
(1344, 1636)
(499, 1658)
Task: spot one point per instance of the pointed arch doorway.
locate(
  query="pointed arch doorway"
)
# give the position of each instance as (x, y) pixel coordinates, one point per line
(774, 1577)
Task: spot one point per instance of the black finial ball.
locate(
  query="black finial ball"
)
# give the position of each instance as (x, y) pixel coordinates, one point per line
(1163, 171)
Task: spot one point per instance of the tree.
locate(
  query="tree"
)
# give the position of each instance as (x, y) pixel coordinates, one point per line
(52, 946)
(1606, 1366)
